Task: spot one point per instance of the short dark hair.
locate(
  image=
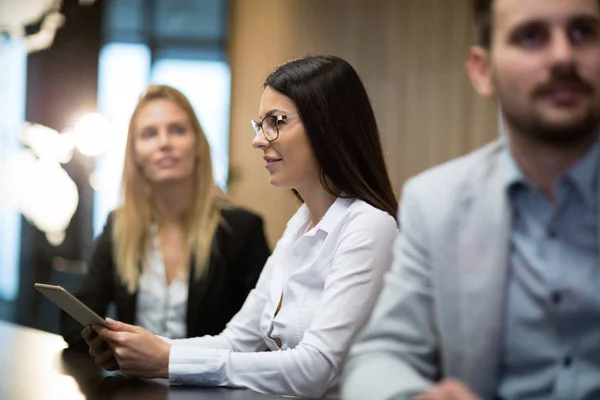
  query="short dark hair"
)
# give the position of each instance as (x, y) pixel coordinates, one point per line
(340, 124)
(482, 10)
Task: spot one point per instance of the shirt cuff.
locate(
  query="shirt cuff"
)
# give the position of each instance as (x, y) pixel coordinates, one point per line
(165, 339)
(197, 365)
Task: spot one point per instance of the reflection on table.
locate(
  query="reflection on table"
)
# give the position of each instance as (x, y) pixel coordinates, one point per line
(37, 365)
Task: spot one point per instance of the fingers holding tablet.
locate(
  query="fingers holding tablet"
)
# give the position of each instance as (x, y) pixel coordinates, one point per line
(99, 349)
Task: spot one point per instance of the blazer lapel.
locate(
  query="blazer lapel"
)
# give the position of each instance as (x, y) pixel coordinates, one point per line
(197, 291)
(126, 303)
(481, 276)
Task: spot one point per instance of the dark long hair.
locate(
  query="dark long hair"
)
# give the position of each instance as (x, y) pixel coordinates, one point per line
(340, 124)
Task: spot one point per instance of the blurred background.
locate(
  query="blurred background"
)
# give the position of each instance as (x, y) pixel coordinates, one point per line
(71, 72)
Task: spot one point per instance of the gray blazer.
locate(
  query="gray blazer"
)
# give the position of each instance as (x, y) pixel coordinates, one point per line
(441, 310)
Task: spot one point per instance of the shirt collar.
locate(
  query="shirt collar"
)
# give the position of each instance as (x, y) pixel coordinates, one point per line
(583, 174)
(512, 174)
(154, 239)
(334, 214)
(329, 221)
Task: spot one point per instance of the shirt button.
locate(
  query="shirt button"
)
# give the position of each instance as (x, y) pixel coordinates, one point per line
(296, 253)
(552, 233)
(556, 297)
(567, 361)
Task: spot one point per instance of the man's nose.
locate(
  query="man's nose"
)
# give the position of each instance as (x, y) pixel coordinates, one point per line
(562, 49)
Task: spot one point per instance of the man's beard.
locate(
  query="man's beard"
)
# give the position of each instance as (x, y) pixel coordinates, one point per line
(536, 127)
(551, 133)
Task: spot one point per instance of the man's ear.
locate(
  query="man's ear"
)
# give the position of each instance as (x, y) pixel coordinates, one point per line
(479, 70)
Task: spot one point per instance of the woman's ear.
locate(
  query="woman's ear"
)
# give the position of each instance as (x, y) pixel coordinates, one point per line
(479, 71)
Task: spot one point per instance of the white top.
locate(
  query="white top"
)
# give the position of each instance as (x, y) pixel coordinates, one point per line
(330, 278)
(161, 308)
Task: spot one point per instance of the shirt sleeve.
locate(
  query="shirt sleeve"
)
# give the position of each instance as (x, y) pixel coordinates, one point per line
(363, 253)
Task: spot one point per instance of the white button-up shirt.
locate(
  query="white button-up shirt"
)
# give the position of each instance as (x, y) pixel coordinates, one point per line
(161, 308)
(327, 280)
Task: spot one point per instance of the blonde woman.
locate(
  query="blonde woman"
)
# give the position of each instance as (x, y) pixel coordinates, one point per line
(176, 257)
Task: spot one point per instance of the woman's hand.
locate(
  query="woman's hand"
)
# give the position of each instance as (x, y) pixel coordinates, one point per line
(99, 349)
(137, 351)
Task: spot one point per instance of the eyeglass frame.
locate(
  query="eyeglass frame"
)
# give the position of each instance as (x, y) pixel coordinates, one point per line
(257, 126)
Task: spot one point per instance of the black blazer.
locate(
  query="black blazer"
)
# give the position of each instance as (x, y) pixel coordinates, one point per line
(239, 252)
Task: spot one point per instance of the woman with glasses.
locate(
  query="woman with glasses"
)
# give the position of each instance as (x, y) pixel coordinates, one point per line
(318, 136)
(176, 257)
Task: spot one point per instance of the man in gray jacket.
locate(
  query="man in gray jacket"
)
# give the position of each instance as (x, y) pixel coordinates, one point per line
(495, 289)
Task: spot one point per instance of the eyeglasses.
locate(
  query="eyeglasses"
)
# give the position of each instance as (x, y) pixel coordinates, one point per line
(270, 125)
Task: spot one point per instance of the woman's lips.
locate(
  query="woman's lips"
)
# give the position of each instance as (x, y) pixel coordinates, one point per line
(271, 161)
(166, 162)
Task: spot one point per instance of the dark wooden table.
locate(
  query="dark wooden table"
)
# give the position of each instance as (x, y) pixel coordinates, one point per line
(34, 365)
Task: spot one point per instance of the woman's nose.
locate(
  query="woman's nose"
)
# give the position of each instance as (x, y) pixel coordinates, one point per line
(164, 139)
(260, 141)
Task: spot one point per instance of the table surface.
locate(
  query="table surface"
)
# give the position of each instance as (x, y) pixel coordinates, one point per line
(35, 365)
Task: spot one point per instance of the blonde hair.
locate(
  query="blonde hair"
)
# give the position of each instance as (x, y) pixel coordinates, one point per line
(133, 219)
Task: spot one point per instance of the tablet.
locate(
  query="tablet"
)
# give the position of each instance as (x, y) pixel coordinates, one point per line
(70, 304)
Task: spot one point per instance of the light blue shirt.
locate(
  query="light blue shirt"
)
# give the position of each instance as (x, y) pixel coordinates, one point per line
(552, 320)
